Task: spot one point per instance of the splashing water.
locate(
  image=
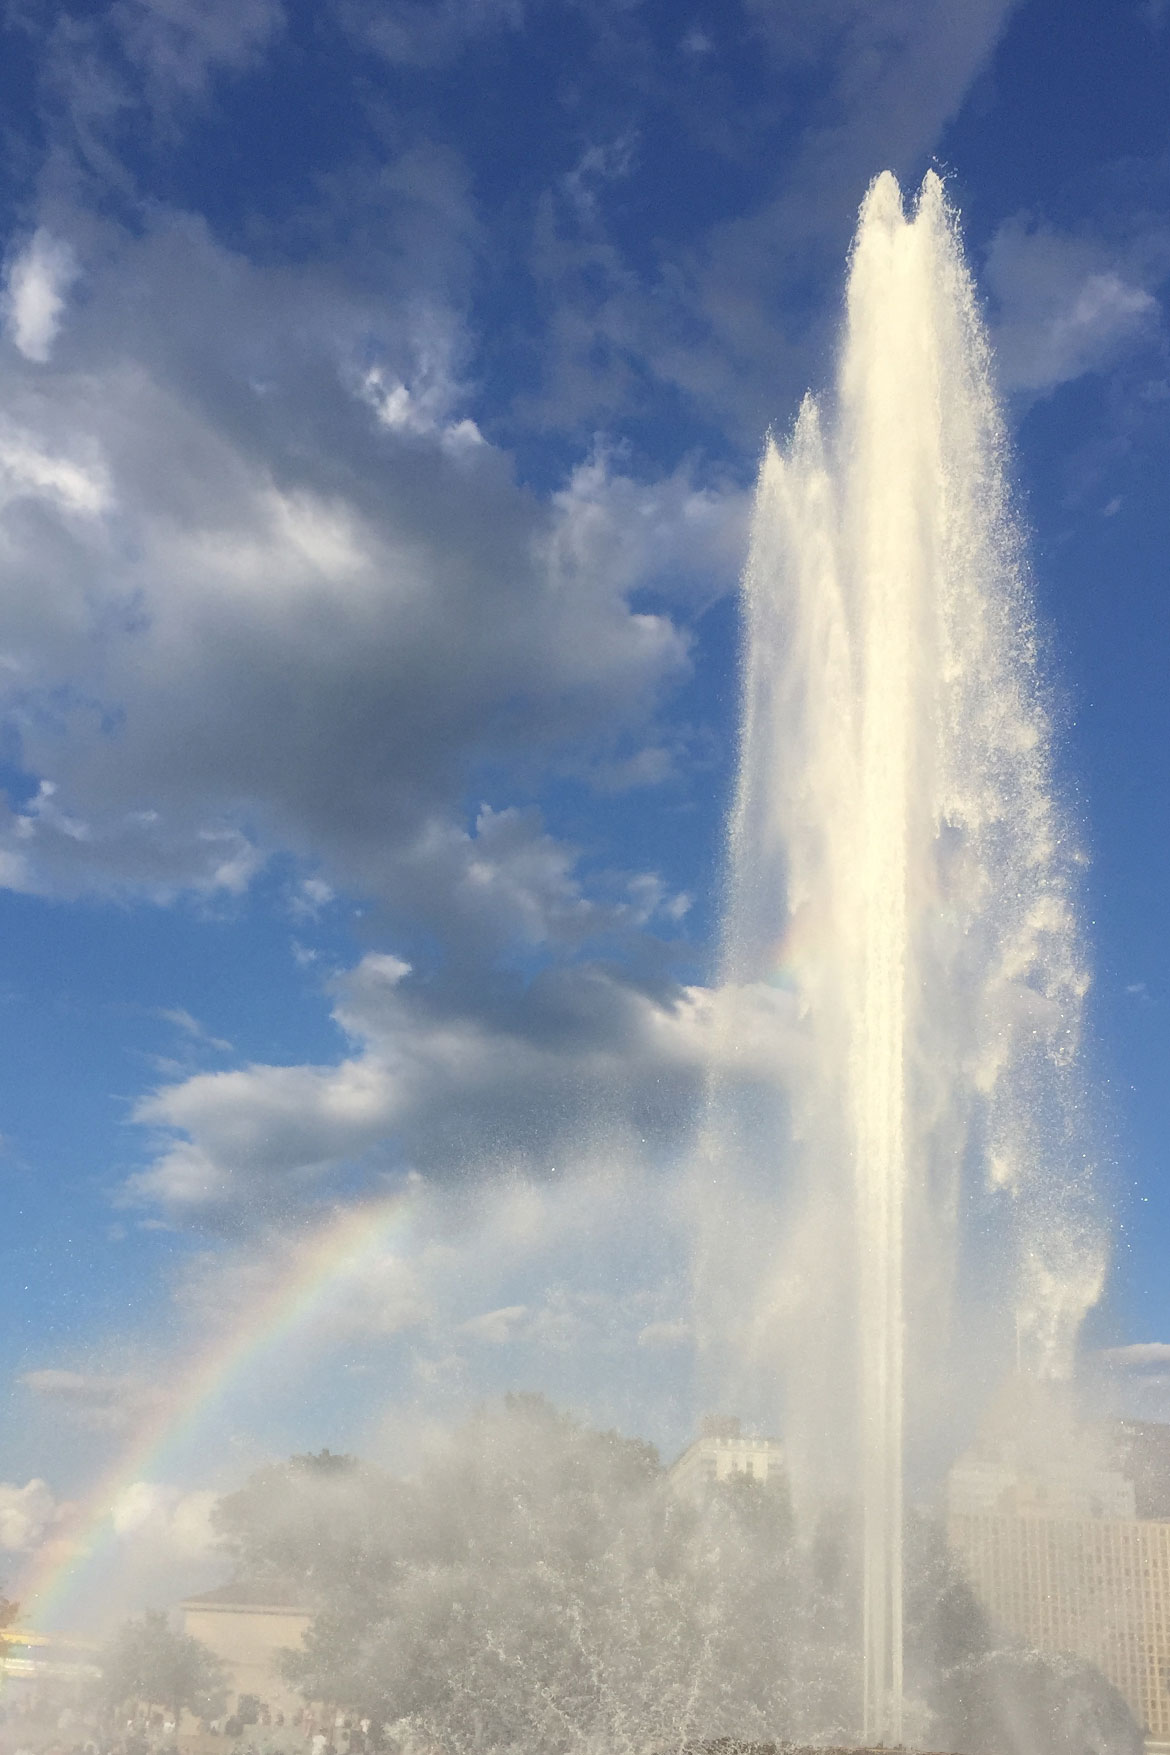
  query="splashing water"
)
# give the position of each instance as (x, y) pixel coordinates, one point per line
(903, 973)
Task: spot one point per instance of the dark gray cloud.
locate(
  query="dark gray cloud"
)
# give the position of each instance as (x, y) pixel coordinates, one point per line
(272, 589)
(578, 1063)
(275, 585)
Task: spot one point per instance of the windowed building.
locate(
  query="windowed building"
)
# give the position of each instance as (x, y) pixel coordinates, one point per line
(1057, 1554)
(722, 1451)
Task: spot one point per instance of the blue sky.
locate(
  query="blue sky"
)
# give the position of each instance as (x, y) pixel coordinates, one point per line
(381, 390)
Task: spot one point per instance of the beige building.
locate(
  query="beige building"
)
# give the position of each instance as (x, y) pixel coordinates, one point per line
(1063, 1528)
(1096, 1586)
(1063, 1487)
(248, 1630)
(720, 1452)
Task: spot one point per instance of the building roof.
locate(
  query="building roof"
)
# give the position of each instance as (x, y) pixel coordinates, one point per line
(250, 1593)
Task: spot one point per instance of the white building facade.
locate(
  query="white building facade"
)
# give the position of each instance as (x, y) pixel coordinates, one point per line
(722, 1452)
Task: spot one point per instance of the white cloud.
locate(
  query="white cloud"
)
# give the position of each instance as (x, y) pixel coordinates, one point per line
(37, 282)
(255, 618)
(670, 1333)
(154, 60)
(1142, 1358)
(281, 593)
(470, 1289)
(178, 43)
(162, 1545)
(28, 471)
(285, 1118)
(192, 1028)
(426, 33)
(715, 318)
(99, 1400)
(1064, 308)
(385, 1289)
(696, 42)
(610, 162)
(478, 1287)
(26, 1514)
(581, 1055)
(311, 895)
(425, 404)
(495, 1327)
(634, 533)
(173, 1522)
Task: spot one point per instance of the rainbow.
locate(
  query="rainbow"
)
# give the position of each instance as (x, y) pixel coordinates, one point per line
(320, 1265)
(801, 947)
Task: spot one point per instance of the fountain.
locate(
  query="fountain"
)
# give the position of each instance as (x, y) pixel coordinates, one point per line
(900, 917)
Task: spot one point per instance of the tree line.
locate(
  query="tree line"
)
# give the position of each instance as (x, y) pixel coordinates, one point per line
(538, 1587)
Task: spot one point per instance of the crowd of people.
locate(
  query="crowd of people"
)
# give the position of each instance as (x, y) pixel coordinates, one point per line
(34, 1721)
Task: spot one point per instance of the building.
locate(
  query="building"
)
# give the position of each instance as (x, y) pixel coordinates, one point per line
(979, 1484)
(1096, 1586)
(248, 1626)
(721, 1452)
(1143, 1450)
(1051, 1534)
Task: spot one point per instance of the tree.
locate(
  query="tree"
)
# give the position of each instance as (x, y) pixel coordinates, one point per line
(541, 1587)
(147, 1661)
(308, 1525)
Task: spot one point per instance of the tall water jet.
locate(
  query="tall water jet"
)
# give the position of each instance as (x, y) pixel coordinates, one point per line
(903, 974)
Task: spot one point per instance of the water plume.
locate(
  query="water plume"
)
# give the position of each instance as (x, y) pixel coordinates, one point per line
(901, 907)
